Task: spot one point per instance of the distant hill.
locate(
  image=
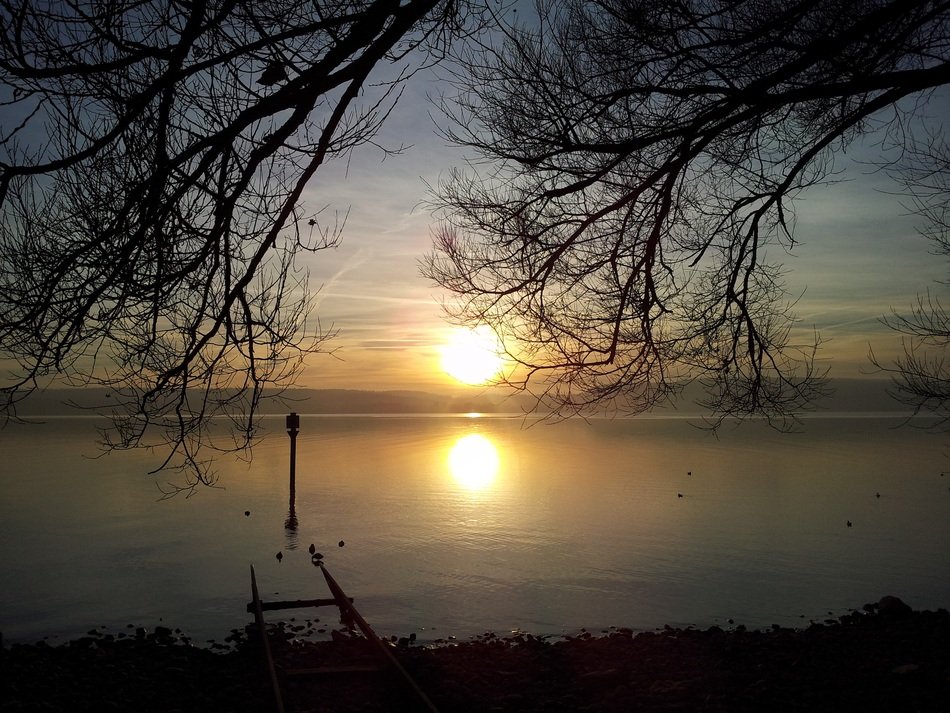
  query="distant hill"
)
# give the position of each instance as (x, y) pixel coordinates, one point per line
(322, 401)
(351, 401)
(861, 395)
(850, 395)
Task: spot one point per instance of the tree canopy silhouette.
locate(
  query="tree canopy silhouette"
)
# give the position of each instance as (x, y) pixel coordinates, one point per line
(638, 163)
(152, 159)
(921, 375)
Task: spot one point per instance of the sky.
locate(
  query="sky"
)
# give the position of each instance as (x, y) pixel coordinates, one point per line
(370, 287)
(858, 256)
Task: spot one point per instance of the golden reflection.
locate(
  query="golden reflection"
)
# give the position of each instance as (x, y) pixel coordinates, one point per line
(473, 462)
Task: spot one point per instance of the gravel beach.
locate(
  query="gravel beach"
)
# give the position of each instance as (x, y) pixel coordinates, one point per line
(884, 657)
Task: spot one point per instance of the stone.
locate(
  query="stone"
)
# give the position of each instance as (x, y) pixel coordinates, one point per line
(890, 606)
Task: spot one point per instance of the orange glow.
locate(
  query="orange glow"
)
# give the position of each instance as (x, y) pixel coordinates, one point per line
(473, 356)
(473, 462)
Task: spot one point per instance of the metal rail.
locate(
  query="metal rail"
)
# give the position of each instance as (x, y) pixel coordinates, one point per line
(269, 659)
(346, 605)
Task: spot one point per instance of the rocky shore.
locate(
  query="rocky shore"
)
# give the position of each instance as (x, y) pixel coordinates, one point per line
(884, 657)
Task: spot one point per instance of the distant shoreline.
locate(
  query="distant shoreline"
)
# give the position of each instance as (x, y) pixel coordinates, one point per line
(851, 396)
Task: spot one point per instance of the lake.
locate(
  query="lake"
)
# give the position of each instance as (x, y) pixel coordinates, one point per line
(458, 525)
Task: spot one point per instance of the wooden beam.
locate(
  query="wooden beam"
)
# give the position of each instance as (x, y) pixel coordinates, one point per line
(293, 604)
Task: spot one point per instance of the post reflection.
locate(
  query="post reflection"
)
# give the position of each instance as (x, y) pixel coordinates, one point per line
(291, 526)
(473, 462)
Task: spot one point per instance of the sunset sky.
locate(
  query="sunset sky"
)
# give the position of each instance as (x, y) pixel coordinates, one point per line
(858, 256)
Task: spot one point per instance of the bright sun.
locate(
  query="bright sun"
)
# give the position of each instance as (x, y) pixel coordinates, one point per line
(473, 356)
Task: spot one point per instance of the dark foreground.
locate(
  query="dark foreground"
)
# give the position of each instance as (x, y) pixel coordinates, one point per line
(886, 659)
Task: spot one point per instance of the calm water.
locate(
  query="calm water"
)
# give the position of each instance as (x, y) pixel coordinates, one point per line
(456, 526)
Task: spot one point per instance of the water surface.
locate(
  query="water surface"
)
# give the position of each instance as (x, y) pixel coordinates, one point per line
(460, 525)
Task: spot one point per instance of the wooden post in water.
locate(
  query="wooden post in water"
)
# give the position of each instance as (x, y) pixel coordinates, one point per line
(293, 426)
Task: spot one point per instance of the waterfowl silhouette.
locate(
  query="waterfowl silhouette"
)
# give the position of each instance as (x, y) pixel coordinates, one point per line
(280, 556)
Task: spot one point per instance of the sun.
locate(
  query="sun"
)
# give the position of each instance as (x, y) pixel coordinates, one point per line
(473, 356)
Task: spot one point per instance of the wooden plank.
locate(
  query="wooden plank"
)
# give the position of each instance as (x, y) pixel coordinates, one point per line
(269, 659)
(293, 604)
(331, 670)
(346, 605)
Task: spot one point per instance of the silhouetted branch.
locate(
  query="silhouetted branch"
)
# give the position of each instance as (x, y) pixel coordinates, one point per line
(920, 377)
(152, 161)
(632, 192)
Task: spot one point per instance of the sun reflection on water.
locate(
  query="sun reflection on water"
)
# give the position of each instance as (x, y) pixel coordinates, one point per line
(473, 462)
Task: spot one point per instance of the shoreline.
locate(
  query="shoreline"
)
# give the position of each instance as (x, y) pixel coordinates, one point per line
(885, 657)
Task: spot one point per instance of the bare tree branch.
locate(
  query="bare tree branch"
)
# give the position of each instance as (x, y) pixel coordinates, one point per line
(150, 180)
(632, 191)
